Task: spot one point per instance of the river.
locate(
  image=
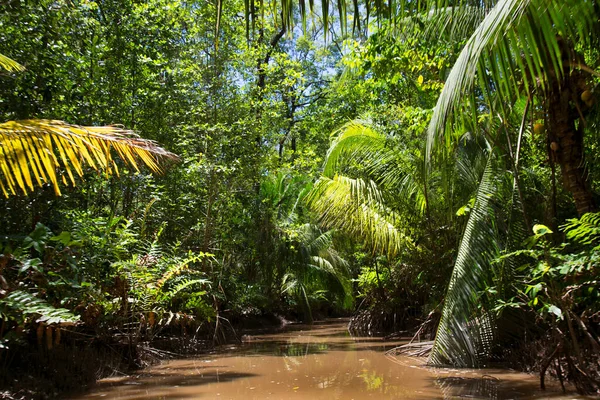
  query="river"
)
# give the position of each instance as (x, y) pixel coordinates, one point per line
(321, 361)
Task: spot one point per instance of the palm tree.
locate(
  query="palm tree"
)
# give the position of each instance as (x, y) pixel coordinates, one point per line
(358, 203)
(299, 260)
(383, 185)
(521, 51)
(316, 271)
(34, 152)
(528, 49)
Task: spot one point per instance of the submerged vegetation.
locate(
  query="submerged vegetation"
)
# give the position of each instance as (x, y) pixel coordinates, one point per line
(431, 171)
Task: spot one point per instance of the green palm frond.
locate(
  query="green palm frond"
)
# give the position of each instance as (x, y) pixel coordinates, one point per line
(34, 152)
(454, 23)
(359, 143)
(510, 53)
(464, 334)
(321, 264)
(292, 285)
(317, 251)
(469, 165)
(440, 23)
(10, 65)
(584, 230)
(288, 283)
(357, 207)
(314, 242)
(412, 185)
(284, 12)
(317, 266)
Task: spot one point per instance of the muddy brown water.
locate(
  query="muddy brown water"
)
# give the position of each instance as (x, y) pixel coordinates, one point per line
(318, 362)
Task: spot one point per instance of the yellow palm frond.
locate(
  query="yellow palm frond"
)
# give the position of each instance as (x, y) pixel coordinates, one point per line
(10, 65)
(357, 207)
(41, 151)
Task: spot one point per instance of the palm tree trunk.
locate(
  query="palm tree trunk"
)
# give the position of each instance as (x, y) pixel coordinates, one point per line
(566, 129)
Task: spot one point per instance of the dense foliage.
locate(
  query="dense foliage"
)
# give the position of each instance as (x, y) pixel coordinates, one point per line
(395, 173)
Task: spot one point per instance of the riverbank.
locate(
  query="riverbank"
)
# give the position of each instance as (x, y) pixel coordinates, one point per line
(31, 369)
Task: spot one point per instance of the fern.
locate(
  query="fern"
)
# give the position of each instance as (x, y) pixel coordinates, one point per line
(187, 283)
(585, 230)
(28, 305)
(178, 268)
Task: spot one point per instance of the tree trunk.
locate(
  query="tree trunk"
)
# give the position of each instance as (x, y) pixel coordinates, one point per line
(566, 128)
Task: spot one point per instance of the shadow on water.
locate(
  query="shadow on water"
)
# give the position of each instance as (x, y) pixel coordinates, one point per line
(164, 381)
(177, 379)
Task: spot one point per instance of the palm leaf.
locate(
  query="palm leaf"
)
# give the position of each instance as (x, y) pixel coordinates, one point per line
(585, 230)
(465, 335)
(317, 251)
(313, 240)
(440, 23)
(394, 10)
(34, 152)
(359, 143)
(510, 53)
(10, 65)
(356, 207)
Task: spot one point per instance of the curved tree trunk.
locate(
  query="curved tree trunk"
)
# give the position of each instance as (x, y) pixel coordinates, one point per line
(566, 128)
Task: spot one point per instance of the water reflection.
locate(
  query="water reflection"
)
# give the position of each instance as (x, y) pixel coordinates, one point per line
(484, 387)
(319, 362)
(286, 349)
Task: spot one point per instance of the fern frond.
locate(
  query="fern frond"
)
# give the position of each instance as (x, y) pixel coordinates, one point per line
(186, 284)
(179, 267)
(584, 230)
(289, 283)
(29, 305)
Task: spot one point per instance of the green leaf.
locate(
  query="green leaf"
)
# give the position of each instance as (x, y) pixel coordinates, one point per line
(38, 238)
(29, 305)
(458, 340)
(64, 238)
(556, 311)
(541, 230)
(31, 263)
